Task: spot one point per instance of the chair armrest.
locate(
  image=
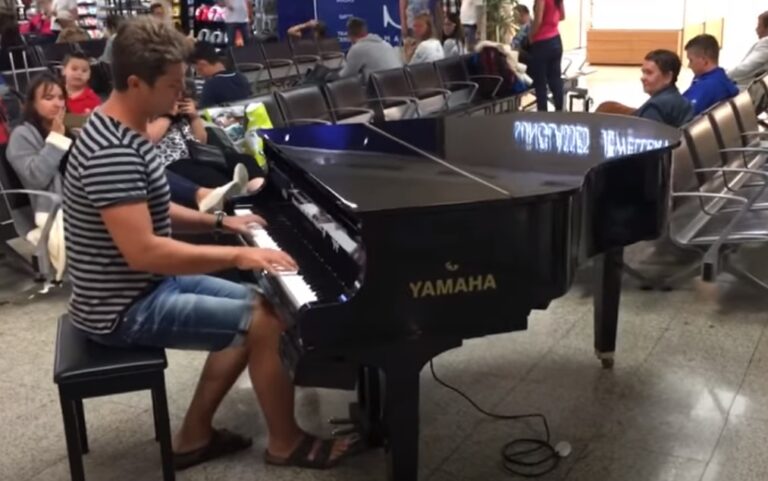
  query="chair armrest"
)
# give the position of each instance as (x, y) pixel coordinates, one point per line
(443, 92)
(309, 122)
(735, 198)
(42, 245)
(279, 62)
(745, 150)
(740, 170)
(756, 133)
(250, 66)
(472, 85)
(306, 58)
(330, 55)
(402, 100)
(499, 81)
(568, 63)
(760, 173)
(354, 110)
(56, 198)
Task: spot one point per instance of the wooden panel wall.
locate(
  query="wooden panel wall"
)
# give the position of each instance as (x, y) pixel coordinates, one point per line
(690, 31)
(628, 47)
(715, 28)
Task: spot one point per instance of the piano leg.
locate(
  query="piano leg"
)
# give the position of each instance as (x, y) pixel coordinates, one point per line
(402, 423)
(401, 398)
(369, 391)
(608, 268)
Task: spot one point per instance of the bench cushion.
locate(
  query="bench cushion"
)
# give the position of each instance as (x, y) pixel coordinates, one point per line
(80, 359)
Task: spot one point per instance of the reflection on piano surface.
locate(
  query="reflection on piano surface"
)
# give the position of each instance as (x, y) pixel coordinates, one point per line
(412, 236)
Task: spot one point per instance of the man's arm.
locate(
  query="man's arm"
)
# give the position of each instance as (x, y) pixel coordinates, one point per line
(297, 30)
(353, 64)
(755, 62)
(130, 226)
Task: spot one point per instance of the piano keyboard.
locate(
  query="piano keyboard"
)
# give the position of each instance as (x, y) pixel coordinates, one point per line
(292, 283)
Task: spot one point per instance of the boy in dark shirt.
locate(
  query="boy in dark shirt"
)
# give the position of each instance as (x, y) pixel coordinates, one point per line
(221, 85)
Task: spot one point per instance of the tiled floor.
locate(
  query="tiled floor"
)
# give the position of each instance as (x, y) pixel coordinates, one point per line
(687, 400)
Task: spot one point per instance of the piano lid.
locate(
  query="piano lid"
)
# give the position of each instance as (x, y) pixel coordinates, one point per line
(532, 153)
(370, 171)
(439, 161)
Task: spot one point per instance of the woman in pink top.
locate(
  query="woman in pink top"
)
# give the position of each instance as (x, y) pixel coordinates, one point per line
(546, 52)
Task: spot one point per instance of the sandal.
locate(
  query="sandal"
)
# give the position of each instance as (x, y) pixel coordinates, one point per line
(222, 443)
(300, 456)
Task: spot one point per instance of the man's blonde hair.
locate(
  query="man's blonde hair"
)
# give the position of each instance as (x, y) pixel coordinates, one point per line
(145, 47)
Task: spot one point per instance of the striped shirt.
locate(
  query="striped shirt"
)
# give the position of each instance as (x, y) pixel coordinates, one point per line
(109, 164)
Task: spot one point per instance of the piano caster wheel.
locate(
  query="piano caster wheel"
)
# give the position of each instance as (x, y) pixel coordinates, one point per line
(646, 287)
(606, 359)
(666, 288)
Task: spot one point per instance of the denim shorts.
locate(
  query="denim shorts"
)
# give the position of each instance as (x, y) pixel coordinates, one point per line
(186, 312)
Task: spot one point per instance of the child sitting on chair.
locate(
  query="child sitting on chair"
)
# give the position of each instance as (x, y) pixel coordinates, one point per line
(81, 99)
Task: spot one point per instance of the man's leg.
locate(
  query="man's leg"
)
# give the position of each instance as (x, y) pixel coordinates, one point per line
(201, 312)
(220, 372)
(231, 29)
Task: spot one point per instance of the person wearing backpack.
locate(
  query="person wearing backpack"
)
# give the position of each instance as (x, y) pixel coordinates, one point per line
(546, 53)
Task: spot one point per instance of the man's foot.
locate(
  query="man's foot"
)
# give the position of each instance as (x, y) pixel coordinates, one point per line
(215, 199)
(314, 453)
(240, 175)
(222, 443)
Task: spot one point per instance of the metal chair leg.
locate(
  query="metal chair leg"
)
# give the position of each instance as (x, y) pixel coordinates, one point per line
(744, 275)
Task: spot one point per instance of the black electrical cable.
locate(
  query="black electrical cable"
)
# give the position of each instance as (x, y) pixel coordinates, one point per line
(529, 458)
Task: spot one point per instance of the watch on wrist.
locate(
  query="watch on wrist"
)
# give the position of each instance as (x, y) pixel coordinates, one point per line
(219, 224)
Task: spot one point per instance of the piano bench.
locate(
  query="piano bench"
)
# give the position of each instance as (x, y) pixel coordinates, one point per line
(84, 369)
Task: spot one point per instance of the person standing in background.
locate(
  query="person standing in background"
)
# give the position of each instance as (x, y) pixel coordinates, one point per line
(237, 18)
(472, 19)
(7, 14)
(64, 9)
(111, 24)
(546, 52)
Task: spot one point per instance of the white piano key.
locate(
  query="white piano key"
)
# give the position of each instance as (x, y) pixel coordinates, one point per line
(294, 285)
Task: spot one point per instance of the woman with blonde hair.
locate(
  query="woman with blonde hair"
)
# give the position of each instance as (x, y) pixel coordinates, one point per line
(424, 47)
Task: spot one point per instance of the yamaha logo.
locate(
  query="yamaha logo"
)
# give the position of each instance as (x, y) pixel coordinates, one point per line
(450, 286)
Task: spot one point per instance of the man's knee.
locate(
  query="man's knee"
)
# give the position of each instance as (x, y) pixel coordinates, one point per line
(265, 326)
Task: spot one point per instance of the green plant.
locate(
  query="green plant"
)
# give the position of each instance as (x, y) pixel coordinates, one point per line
(500, 19)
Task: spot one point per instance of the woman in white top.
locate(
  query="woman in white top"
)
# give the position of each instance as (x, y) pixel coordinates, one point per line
(424, 47)
(453, 36)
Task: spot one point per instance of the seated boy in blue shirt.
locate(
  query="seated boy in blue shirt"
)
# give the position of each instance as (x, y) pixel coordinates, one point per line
(221, 85)
(710, 84)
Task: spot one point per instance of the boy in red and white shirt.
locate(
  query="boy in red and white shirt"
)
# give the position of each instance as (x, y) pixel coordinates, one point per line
(81, 99)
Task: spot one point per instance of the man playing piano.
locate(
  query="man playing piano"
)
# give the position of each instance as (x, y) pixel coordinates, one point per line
(135, 285)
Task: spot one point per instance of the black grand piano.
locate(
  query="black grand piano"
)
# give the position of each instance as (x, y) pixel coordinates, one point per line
(414, 235)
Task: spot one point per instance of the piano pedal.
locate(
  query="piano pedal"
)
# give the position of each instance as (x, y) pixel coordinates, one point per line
(341, 421)
(337, 433)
